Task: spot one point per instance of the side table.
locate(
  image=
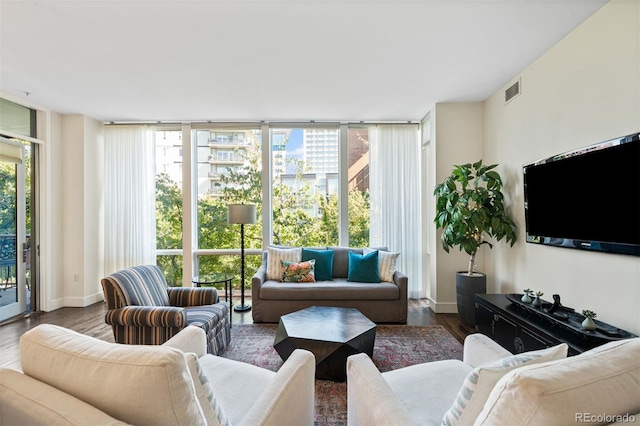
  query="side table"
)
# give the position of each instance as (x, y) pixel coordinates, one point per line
(209, 280)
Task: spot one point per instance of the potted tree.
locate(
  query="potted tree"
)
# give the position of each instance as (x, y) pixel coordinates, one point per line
(470, 205)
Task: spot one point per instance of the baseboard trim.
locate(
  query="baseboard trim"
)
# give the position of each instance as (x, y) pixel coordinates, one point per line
(82, 302)
(443, 307)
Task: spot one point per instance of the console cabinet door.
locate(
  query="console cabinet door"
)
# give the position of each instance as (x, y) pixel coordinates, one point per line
(528, 341)
(506, 334)
(484, 320)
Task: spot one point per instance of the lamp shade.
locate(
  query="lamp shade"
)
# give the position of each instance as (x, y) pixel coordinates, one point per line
(241, 213)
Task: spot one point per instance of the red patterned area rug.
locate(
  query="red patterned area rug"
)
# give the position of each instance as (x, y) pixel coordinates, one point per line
(396, 346)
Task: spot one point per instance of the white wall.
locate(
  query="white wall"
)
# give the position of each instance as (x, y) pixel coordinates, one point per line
(458, 140)
(82, 205)
(51, 239)
(584, 90)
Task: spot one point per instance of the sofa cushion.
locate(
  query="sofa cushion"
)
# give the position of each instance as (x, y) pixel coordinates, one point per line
(428, 403)
(275, 255)
(601, 385)
(297, 272)
(341, 260)
(478, 385)
(27, 401)
(236, 378)
(324, 262)
(338, 289)
(363, 267)
(140, 385)
(211, 408)
(386, 263)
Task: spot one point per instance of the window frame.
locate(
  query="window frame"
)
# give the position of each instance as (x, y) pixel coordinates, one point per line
(190, 180)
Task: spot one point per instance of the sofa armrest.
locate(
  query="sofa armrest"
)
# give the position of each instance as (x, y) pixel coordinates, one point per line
(402, 282)
(189, 339)
(257, 280)
(192, 296)
(27, 401)
(479, 349)
(147, 316)
(370, 400)
(289, 399)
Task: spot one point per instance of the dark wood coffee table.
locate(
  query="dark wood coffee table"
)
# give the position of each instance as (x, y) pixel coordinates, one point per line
(331, 334)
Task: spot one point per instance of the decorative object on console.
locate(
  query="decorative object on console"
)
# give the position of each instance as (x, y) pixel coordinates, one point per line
(537, 302)
(526, 297)
(588, 323)
(569, 319)
(241, 214)
(519, 327)
(470, 204)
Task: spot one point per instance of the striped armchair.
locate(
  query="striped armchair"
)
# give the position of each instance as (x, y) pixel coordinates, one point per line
(143, 310)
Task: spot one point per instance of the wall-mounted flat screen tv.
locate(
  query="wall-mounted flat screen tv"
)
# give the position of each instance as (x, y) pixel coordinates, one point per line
(586, 199)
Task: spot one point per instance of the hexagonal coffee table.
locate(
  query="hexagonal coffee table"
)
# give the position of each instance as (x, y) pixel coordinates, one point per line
(332, 334)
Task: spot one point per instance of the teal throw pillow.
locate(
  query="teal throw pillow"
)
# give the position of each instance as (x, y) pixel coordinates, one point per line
(324, 263)
(363, 268)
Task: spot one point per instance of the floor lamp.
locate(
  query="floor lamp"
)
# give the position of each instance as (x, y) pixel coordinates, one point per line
(242, 214)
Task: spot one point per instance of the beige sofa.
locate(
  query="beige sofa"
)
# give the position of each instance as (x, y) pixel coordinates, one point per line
(492, 387)
(73, 379)
(381, 302)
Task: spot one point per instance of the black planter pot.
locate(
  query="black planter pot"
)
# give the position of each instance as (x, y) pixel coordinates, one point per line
(467, 286)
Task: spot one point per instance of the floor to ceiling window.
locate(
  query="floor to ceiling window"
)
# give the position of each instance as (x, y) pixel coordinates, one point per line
(305, 170)
(314, 178)
(228, 171)
(169, 203)
(358, 186)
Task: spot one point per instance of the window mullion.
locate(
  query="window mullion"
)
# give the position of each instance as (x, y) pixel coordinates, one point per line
(189, 199)
(267, 173)
(343, 186)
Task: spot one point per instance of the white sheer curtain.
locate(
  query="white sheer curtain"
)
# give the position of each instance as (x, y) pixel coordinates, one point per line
(394, 182)
(130, 211)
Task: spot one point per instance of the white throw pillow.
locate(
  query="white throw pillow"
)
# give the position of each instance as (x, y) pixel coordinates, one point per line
(275, 255)
(386, 263)
(598, 386)
(213, 412)
(480, 382)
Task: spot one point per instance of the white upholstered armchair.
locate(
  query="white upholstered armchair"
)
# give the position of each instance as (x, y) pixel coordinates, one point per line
(73, 379)
(492, 387)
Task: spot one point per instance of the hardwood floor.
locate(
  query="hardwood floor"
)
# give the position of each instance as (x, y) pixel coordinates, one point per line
(90, 321)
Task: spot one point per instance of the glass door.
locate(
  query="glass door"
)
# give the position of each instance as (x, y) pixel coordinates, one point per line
(13, 285)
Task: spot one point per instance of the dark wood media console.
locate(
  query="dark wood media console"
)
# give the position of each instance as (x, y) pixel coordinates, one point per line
(520, 328)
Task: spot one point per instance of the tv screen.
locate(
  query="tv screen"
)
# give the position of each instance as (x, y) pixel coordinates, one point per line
(586, 199)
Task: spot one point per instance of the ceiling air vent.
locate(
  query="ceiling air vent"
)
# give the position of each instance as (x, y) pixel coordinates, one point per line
(512, 91)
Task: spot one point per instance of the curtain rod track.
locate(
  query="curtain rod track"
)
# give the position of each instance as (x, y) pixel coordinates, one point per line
(258, 123)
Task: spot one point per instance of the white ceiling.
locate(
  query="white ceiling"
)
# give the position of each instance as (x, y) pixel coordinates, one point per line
(274, 60)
